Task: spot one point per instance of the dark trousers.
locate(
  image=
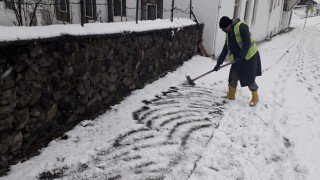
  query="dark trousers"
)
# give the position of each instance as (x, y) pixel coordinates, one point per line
(234, 78)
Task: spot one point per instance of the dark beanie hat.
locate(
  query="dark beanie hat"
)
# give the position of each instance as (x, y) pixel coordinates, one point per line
(224, 22)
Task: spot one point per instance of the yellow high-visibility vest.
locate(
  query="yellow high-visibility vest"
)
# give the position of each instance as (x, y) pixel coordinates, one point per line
(253, 48)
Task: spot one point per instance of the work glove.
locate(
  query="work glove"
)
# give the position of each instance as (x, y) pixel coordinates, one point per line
(217, 67)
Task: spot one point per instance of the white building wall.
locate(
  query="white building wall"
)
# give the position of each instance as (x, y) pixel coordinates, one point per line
(102, 7)
(275, 20)
(74, 14)
(226, 9)
(259, 27)
(131, 11)
(264, 25)
(75, 11)
(270, 25)
(286, 17)
(267, 23)
(206, 12)
(182, 5)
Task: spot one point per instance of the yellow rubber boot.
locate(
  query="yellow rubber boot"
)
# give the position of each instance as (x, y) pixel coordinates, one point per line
(231, 94)
(255, 99)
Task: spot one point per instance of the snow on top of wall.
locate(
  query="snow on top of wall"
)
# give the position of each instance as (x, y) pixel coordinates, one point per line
(13, 33)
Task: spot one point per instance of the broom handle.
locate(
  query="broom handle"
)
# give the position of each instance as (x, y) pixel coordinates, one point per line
(211, 71)
(227, 64)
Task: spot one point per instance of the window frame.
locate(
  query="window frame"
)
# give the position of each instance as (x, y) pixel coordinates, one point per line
(92, 7)
(9, 4)
(123, 11)
(62, 15)
(60, 9)
(147, 8)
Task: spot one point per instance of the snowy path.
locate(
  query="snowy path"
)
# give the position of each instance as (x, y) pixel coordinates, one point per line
(279, 139)
(170, 130)
(172, 123)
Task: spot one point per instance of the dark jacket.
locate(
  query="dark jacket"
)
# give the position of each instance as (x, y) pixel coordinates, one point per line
(247, 69)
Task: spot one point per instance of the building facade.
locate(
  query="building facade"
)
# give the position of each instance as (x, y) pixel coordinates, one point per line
(264, 22)
(265, 18)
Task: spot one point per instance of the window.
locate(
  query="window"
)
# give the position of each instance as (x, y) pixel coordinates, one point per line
(63, 10)
(247, 11)
(63, 6)
(9, 4)
(236, 9)
(254, 14)
(90, 9)
(152, 11)
(119, 8)
(116, 10)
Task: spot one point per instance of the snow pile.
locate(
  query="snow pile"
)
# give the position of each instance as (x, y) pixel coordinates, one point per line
(12, 33)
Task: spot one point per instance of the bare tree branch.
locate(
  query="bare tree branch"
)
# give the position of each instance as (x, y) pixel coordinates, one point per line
(34, 12)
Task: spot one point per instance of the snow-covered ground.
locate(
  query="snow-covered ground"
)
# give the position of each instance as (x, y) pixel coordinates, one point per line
(170, 130)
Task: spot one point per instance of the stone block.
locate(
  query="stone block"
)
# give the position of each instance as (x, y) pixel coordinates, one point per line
(57, 96)
(23, 99)
(7, 97)
(5, 111)
(21, 118)
(16, 143)
(35, 98)
(35, 68)
(44, 61)
(6, 123)
(8, 82)
(52, 112)
(30, 75)
(127, 81)
(19, 66)
(45, 100)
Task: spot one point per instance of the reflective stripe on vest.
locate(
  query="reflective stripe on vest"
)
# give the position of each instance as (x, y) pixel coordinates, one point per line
(253, 48)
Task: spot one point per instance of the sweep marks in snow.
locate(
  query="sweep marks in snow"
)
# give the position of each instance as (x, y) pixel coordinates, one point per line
(176, 127)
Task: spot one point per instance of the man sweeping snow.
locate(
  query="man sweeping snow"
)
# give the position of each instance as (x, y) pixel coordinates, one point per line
(243, 51)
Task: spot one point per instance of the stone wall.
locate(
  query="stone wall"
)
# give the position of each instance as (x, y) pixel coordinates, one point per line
(47, 86)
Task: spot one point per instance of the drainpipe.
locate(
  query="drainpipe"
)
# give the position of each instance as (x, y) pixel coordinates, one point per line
(190, 9)
(137, 11)
(216, 29)
(82, 12)
(172, 10)
(270, 11)
(281, 18)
